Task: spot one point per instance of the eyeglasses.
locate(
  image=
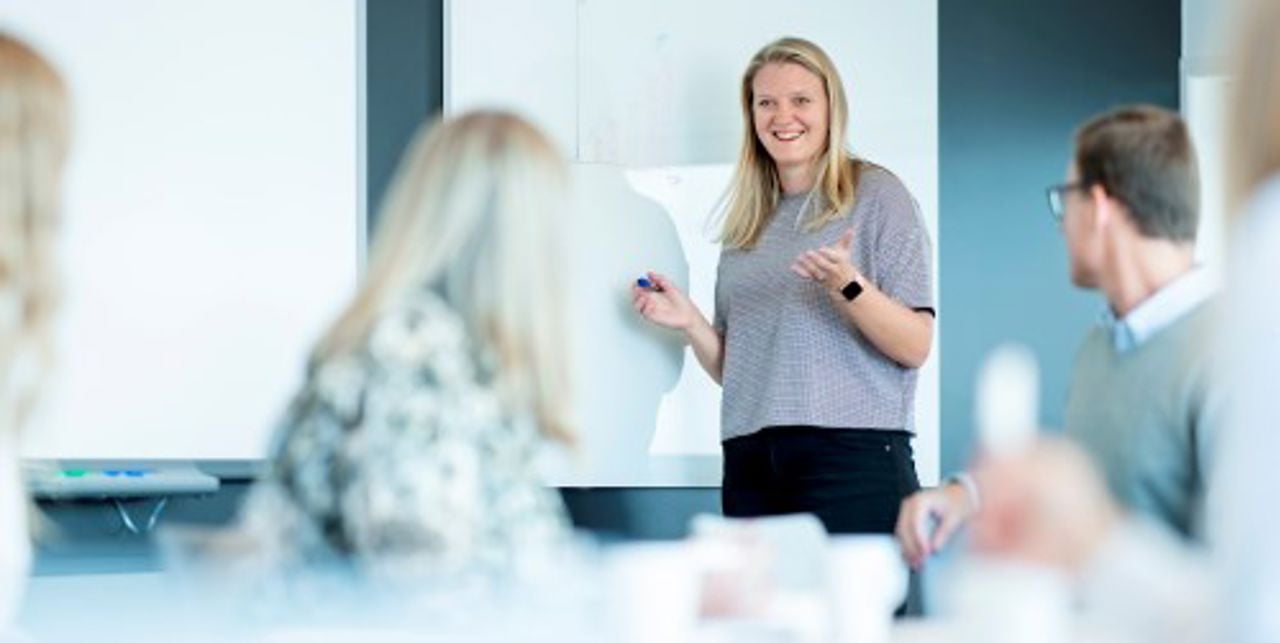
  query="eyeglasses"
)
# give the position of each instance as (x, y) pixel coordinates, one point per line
(1058, 198)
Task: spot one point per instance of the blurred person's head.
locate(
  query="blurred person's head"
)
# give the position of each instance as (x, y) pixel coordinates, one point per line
(1254, 123)
(34, 134)
(1132, 179)
(473, 213)
(1048, 505)
(794, 116)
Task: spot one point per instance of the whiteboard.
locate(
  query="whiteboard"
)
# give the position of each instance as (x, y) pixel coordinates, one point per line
(212, 217)
(642, 98)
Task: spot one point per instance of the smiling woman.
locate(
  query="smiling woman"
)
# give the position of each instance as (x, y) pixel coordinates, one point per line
(790, 115)
(824, 308)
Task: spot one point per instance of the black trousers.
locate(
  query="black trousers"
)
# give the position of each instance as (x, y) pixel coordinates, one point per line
(853, 480)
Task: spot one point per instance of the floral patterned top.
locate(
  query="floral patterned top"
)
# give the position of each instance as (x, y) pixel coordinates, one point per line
(401, 458)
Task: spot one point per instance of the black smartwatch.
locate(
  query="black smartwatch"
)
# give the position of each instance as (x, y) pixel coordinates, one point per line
(852, 290)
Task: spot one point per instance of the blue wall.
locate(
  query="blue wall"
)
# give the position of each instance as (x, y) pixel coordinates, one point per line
(404, 80)
(1015, 79)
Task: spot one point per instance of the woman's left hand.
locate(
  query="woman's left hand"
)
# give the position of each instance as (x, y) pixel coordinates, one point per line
(831, 265)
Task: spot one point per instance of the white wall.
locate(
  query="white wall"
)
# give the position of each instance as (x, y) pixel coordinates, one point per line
(1205, 24)
(1206, 87)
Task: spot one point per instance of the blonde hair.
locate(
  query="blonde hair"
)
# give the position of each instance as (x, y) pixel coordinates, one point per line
(473, 212)
(1254, 123)
(755, 190)
(34, 135)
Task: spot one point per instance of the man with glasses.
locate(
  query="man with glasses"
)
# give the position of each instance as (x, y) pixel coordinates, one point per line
(1140, 401)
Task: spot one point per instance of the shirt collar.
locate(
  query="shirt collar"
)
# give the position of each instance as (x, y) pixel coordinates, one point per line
(1159, 311)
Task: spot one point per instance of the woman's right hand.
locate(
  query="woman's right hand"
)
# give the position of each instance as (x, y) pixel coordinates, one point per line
(666, 305)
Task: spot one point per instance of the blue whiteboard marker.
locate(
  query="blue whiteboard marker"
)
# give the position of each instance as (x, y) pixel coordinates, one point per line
(648, 284)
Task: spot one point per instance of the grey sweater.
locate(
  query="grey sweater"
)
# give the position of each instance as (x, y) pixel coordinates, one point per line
(1148, 416)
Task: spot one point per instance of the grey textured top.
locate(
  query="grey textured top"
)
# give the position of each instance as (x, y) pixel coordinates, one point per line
(791, 358)
(1148, 416)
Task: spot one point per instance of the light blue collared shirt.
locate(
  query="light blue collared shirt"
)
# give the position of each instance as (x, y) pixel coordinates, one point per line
(1169, 304)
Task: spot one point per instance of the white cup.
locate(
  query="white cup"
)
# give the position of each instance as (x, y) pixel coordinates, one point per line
(868, 581)
(1001, 601)
(653, 591)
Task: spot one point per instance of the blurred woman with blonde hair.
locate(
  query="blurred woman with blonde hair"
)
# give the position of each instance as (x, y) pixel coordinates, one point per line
(824, 308)
(411, 447)
(34, 135)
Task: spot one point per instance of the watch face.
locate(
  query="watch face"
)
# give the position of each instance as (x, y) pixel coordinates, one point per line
(851, 291)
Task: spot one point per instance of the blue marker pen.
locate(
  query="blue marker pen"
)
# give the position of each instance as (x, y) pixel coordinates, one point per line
(648, 284)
